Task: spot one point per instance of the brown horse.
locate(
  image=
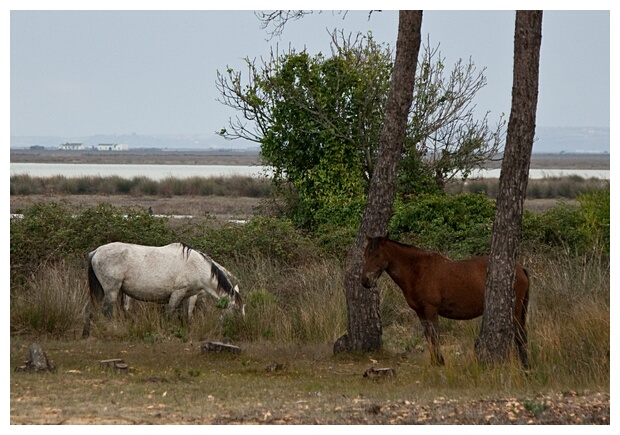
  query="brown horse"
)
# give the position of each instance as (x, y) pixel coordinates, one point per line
(436, 286)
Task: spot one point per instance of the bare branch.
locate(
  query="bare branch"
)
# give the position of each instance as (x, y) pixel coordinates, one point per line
(278, 19)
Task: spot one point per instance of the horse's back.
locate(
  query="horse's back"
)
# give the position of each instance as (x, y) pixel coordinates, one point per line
(129, 251)
(147, 273)
(462, 284)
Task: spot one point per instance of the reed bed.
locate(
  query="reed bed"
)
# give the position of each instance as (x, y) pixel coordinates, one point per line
(567, 187)
(232, 186)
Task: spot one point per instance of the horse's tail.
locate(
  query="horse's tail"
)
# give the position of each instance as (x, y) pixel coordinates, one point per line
(96, 289)
(95, 295)
(526, 298)
(521, 333)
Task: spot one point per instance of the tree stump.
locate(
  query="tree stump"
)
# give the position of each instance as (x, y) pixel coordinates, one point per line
(373, 373)
(275, 367)
(214, 346)
(38, 360)
(342, 345)
(119, 365)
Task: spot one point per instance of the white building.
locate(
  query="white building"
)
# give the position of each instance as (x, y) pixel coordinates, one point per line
(72, 146)
(112, 147)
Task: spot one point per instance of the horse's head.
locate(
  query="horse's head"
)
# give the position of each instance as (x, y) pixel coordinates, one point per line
(237, 300)
(375, 260)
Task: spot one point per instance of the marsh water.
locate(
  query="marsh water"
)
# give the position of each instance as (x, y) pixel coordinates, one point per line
(160, 172)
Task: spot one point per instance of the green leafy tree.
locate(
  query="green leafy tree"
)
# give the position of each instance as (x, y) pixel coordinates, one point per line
(318, 121)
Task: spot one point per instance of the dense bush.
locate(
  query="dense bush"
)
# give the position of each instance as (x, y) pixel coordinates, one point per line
(580, 228)
(49, 232)
(458, 224)
(557, 227)
(461, 225)
(595, 207)
(273, 238)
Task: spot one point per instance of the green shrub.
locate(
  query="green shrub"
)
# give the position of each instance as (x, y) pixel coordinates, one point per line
(335, 240)
(41, 234)
(581, 228)
(106, 223)
(337, 226)
(457, 224)
(261, 298)
(557, 227)
(595, 207)
(49, 232)
(268, 237)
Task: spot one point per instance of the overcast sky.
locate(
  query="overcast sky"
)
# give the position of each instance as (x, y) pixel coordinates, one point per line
(80, 73)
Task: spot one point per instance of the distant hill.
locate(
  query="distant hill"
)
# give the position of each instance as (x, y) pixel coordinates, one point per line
(552, 140)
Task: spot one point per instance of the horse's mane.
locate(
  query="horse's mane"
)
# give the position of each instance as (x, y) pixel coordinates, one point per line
(217, 271)
(406, 246)
(186, 249)
(223, 283)
(410, 248)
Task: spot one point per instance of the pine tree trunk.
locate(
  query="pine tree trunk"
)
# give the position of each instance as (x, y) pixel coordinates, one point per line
(496, 336)
(364, 320)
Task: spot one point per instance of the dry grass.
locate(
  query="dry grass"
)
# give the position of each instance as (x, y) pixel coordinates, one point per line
(293, 317)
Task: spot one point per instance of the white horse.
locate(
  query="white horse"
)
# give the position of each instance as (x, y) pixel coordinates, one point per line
(190, 303)
(167, 274)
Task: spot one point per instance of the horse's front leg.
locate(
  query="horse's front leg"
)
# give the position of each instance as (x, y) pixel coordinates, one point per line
(430, 321)
(191, 304)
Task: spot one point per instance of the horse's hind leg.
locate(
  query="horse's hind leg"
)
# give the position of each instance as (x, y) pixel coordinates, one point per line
(88, 314)
(175, 300)
(430, 322)
(521, 332)
(521, 342)
(109, 300)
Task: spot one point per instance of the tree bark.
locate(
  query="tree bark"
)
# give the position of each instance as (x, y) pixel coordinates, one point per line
(363, 320)
(496, 336)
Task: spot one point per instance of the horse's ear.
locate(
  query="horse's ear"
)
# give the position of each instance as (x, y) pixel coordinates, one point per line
(368, 239)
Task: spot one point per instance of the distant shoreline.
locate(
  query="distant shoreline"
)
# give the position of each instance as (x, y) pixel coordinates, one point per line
(138, 157)
(252, 158)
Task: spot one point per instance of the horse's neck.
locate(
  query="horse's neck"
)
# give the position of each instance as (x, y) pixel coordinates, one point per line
(401, 256)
